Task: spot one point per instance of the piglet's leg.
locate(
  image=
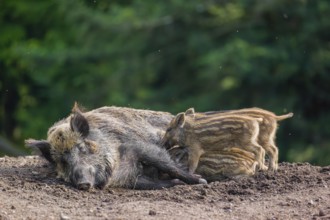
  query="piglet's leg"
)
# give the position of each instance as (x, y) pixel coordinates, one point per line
(193, 159)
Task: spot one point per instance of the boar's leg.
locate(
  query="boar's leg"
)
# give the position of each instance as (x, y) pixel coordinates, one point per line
(145, 183)
(152, 155)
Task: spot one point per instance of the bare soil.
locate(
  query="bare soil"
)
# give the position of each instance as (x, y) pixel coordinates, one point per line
(29, 190)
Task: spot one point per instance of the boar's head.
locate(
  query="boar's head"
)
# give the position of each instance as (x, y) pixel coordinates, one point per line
(79, 153)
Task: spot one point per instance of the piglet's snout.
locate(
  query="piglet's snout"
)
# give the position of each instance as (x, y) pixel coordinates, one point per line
(165, 143)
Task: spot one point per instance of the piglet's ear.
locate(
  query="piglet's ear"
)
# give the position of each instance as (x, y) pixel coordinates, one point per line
(180, 119)
(190, 112)
(43, 146)
(78, 122)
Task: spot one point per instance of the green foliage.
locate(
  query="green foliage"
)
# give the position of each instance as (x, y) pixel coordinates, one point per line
(168, 56)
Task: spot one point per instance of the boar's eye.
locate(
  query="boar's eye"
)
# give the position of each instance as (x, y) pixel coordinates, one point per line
(82, 148)
(169, 129)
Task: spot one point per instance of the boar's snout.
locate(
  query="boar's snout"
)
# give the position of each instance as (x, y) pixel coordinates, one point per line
(84, 186)
(83, 177)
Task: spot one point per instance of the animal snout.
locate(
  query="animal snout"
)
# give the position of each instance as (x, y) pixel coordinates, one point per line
(84, 177)
(164, 143)
(84, 185)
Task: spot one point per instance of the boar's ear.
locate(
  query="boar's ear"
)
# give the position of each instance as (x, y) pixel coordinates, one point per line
(79, 123)
(180, 120)
(43, 146)
(76, 108)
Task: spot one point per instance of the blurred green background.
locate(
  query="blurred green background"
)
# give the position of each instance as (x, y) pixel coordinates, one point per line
(169, 56)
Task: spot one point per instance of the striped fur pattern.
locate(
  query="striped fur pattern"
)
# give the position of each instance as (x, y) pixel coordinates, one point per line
(233, 163)
(212, 134)
(267, 128)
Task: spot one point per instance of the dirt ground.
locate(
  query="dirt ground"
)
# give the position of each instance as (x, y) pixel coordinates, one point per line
(30, 190)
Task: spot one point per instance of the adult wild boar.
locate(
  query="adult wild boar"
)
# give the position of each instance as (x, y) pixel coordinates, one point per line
(111, 146)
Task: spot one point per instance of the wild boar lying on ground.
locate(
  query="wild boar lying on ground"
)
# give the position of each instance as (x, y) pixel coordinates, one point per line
(111, 146)
(212, 138)
(267, 128)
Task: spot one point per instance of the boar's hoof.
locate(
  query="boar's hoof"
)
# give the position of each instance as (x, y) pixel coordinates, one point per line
(202, 181)
(197, 175)
(84, 186)
(177, 182)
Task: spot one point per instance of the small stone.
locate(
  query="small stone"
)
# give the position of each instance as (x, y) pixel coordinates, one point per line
(203, 192)
(230, 205)
(227, 209)
(321, 213)
(64, 217)
(152, 212)
(12, 207)
(206, 186)
(311, 202)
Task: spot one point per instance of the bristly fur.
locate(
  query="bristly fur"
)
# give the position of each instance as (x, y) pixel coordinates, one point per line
(110, 146)
(213, 134)
(218, 165)
(267, 131)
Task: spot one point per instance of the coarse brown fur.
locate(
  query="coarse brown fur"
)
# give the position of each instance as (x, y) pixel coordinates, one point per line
(204, 134)
(267, 128)
(111, 146)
